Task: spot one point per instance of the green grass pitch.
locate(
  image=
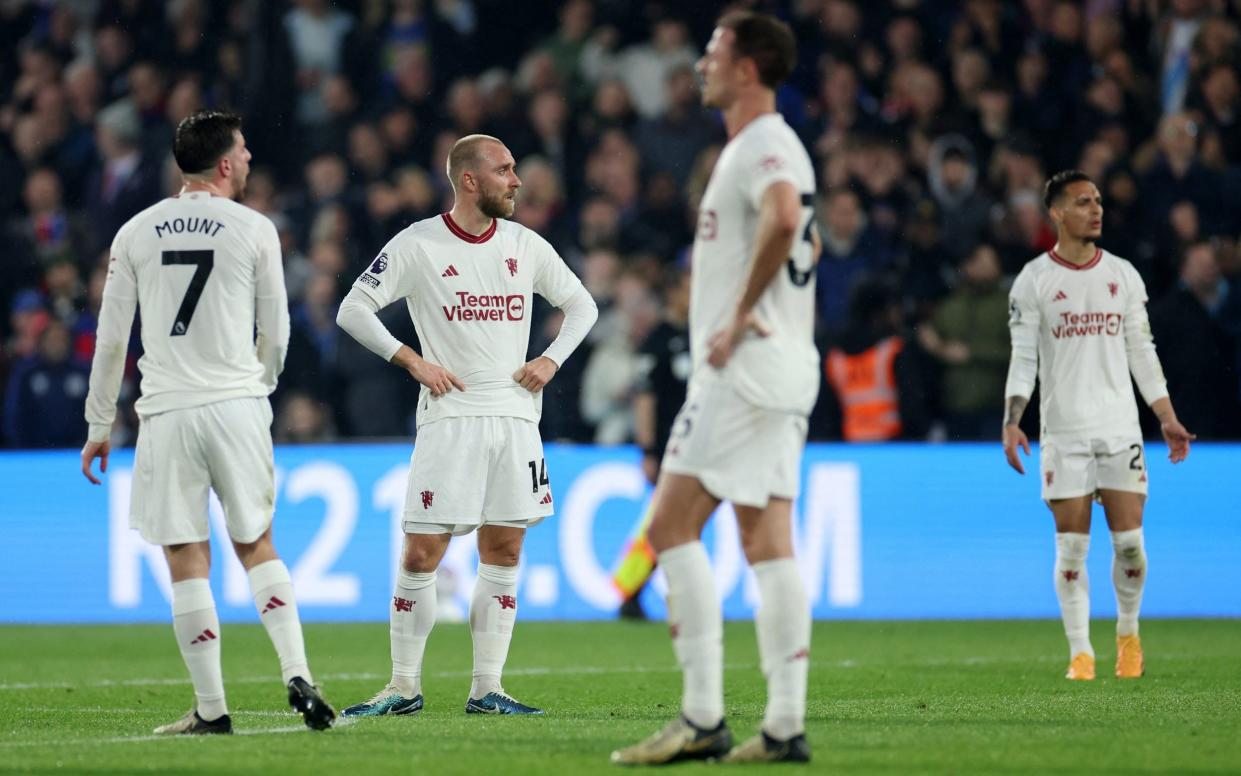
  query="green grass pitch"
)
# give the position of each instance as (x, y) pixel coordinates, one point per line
(885, 697)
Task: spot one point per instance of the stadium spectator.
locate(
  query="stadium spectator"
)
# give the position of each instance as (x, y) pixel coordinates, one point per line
(968, 335)
(1020, 88)
(47, 232)
(1196, 348)
(45, 402)
(125, 181)
(873, 390)
(965, 211)
(852, 249)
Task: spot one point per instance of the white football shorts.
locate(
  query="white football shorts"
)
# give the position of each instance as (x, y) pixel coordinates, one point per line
(183, 454)
(1073, 467)
(466, 472)
(739, 452)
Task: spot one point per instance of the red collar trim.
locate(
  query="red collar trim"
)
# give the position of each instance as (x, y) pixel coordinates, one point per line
(1098, 255)
(464, 235)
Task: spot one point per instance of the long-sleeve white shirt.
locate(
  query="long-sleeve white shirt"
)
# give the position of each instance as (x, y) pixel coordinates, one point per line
(470, 298)
(1082, 331)
(205, 272)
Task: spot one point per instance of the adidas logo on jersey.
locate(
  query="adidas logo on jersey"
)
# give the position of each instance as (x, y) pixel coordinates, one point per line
(547, 499)
(1059, 297)
(451, 272)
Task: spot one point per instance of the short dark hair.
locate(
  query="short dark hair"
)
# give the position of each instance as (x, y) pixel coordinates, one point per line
(766, 40)
(202, 138)
(1057, 183)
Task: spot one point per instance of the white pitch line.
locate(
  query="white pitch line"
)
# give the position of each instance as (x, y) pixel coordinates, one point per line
(528, 671)
(149, 710)
(349, 677)
(340, 723)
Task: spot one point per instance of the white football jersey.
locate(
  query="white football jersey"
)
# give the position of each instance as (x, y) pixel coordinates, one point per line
(197, 266)
(470, 298)
(779, 371)
(1088, 329)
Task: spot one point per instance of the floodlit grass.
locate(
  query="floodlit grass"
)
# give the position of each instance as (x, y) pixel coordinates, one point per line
(885, 697)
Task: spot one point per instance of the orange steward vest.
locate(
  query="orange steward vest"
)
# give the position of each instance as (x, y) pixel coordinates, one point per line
(865, 384)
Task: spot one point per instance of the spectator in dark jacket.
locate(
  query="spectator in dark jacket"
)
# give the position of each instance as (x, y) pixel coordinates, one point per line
(45, 404)
(1197, 353)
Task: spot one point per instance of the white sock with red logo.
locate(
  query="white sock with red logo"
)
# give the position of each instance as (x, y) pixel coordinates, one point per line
(493, 611)
(1129, 577)
(783, 625)
(1073, 590)
(273, 597)
(197, 628)
(697, 626)
(414, 603)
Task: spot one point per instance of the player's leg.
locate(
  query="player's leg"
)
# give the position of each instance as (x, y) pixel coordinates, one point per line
(1070, 479)
(197, 627)
(1072, 582)
(169, 508)
(236, 440)
(271, 588)
(783, 626)
(1124, 518)
(518, 495)
(411, 619)
(682, 507)
(442, 496)
(782, 621)
(493, 613)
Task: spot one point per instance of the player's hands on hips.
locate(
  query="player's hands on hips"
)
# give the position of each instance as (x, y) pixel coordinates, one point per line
(725, 341)
(1013, 438)
(1178, 439)
(533, 375)
(435, 377)
(90, 452)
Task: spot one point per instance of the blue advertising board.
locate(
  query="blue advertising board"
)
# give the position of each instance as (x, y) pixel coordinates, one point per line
(883, 531)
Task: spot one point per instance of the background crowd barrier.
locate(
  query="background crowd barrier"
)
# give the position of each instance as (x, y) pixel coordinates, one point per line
(886, 531)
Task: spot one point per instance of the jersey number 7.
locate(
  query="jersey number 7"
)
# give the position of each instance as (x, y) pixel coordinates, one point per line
(203, 262)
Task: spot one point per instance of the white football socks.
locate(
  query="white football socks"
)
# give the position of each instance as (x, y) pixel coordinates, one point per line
(1129, 578)
(414, 604)
(697, 627)
(493, 611)
(1073, 590)
(273, 597)
(783, 625)
(197, 628)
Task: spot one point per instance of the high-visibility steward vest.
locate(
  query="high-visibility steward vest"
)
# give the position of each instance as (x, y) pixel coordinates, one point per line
(865, 384)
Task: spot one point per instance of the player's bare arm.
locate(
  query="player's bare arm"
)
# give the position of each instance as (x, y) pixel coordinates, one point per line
(1174, 434)
(536, 373)
(778, 219)
(1012, 436)
(436, 378)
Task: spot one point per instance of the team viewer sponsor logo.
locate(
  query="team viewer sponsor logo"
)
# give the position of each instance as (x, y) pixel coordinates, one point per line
(486, 307)
(1087, 325)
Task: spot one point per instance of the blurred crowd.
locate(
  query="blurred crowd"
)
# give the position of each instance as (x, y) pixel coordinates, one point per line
(932, 123)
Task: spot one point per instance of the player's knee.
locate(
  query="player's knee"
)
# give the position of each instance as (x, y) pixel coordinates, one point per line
(421, 557)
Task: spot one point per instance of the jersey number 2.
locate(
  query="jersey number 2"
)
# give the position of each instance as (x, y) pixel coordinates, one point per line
(800, 277)
(203, 262)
